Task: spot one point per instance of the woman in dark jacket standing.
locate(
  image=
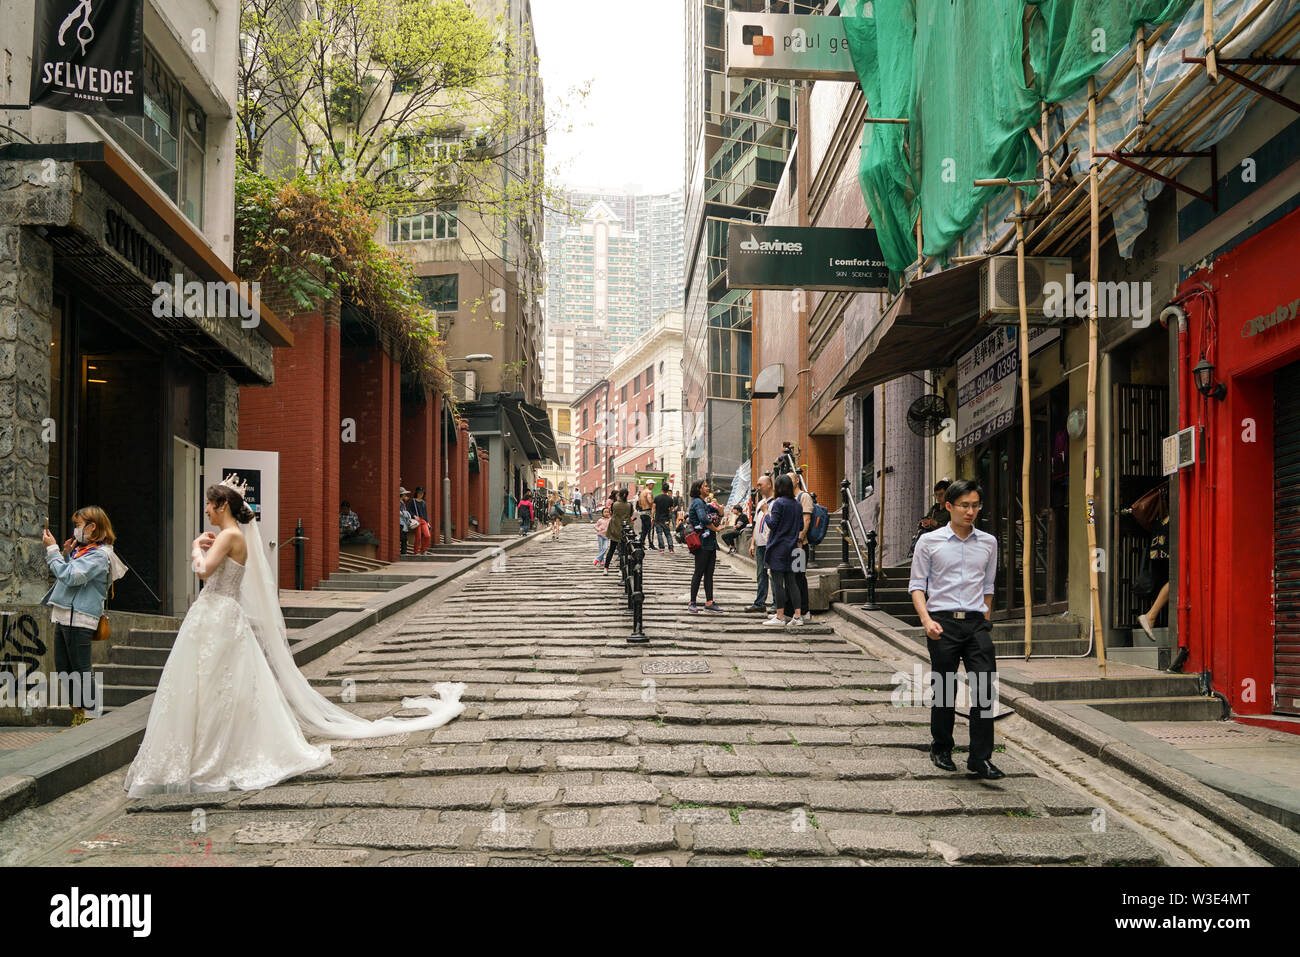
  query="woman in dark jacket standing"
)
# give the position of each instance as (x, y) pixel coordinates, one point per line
(785, 525)
(620, 512)
(703, 520)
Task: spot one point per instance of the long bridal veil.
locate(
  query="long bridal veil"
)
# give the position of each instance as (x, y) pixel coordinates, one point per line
(315, 713)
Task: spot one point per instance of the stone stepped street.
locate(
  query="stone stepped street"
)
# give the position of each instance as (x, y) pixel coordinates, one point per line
(722, 741)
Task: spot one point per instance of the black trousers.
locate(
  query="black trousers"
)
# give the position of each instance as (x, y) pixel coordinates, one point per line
(72, 656)
(968, 642)
(801, 581)
(706, 559)
(647, 526)
(614, 545)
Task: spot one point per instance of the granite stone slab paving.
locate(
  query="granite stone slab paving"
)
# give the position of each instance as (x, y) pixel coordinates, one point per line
(722, 742)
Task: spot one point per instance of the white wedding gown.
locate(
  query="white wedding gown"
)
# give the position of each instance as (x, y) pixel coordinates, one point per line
(231, 706)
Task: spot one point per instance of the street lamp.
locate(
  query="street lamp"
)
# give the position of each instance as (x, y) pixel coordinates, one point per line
(446, 453)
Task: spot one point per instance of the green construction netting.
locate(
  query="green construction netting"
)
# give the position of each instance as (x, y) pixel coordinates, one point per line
(955, 71)
(1072, 39)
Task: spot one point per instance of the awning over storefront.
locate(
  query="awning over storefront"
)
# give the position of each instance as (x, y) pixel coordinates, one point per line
(532, 425)
(169, 237)
(931, 322)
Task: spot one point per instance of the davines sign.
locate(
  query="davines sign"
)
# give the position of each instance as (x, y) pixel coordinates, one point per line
(87, 56)
(804, 257)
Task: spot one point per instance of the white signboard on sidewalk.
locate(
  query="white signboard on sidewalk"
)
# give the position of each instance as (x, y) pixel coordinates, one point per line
(987, 380)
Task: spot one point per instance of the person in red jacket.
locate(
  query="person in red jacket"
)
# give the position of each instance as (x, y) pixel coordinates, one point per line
(525, 513)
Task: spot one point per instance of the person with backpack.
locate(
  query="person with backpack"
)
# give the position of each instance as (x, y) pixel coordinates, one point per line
(620, 513)
(525, 513)
(557, 516)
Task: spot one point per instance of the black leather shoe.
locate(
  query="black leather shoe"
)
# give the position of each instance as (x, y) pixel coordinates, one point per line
(985, 770)
(942, 760)
(1180, 659)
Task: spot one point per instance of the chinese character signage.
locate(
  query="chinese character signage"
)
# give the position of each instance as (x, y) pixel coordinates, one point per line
(987, 380)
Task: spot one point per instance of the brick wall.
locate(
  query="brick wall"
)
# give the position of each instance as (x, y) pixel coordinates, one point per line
(298, 417)
(368, 467)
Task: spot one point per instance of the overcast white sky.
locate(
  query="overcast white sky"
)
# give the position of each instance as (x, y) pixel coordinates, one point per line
(632, 128)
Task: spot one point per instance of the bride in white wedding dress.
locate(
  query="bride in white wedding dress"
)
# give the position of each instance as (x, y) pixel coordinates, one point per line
(231, 707)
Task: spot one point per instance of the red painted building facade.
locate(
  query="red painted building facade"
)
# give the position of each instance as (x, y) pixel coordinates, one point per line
(1239, 505)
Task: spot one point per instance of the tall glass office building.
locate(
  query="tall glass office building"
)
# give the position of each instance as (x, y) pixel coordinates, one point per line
(738, 137)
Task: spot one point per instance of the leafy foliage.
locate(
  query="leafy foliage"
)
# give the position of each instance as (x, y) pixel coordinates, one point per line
(314, 238)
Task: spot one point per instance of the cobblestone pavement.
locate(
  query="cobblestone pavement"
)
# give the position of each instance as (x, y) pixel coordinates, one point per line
(577, 747)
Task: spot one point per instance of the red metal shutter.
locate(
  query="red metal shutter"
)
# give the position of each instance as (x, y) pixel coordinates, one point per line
(1286, 542)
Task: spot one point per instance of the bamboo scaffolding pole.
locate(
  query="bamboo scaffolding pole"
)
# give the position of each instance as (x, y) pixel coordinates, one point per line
(1026, 456)
(1211, 58)
(1090, 453)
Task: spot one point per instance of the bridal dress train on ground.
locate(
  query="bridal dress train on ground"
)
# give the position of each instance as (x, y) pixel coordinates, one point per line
(231, 707)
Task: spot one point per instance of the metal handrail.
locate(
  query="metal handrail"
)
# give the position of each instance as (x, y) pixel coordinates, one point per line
(853, 538)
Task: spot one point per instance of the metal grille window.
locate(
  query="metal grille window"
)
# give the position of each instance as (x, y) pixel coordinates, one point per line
(442, 223)
(441, 293)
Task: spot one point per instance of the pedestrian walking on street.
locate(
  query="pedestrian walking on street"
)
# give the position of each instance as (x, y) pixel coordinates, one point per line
(645, 512)
(557, 516)
(663, 519)
(952, 582)
(785, 525)
(705, 522)
(602, 537)
(932, 519)
(83, 570)
(758, 544)
(620, 513)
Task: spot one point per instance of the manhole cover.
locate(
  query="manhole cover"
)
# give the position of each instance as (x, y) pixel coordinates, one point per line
(674, 666)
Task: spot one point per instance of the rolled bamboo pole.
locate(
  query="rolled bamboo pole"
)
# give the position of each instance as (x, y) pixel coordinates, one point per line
(1211, 58)
(1090, 454)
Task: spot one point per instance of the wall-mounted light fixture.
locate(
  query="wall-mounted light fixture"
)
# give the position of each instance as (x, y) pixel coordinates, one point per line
(1203, 376)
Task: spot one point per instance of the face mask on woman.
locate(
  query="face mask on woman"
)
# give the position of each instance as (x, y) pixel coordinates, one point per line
(79, 533)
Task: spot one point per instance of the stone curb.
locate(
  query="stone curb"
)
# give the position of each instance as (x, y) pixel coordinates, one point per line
(1158, 765)
(64, 762)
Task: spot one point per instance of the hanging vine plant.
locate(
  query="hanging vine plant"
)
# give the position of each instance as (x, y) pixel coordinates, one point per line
(313, 237)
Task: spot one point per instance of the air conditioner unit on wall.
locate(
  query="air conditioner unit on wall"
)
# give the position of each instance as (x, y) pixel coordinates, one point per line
(466, 385)
(999, 296)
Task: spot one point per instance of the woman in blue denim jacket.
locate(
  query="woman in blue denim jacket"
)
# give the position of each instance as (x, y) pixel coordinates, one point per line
(82, 574)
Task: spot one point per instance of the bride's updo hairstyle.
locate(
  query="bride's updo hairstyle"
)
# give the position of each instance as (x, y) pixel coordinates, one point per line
(220, 495)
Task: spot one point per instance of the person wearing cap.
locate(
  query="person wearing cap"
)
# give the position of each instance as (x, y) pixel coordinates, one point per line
(405, 520)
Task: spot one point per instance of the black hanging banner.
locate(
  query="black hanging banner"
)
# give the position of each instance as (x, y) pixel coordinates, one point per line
(88, 56)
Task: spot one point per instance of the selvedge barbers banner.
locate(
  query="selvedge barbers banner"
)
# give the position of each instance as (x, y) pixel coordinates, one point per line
(88, 56)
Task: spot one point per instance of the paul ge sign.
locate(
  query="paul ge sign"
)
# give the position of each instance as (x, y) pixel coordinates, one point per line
(783, 46)
(805, 257)
(88, 56)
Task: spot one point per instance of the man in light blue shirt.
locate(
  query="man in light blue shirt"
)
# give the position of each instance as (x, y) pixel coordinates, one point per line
(953, 572)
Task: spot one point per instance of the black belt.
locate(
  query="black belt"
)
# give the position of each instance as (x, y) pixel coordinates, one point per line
(959, 615)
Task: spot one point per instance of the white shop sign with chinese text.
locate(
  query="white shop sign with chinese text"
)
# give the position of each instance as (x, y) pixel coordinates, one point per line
(987, 380)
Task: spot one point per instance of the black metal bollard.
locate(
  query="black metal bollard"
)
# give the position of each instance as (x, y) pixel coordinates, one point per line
(871, 572)
(298, 557)
(844, 524)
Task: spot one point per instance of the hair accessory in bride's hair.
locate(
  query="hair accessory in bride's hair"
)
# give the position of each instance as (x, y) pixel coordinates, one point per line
(233, 483)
